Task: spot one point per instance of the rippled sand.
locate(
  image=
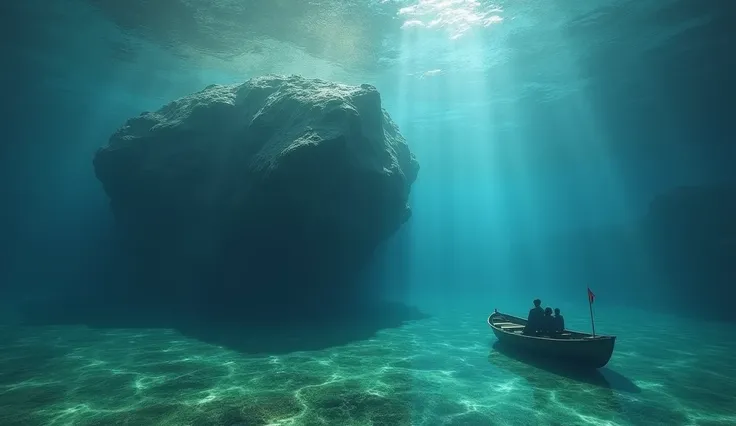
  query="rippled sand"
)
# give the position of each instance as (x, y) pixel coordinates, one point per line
(438, 371)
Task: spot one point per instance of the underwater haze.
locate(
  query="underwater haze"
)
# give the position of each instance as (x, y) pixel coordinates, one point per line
(526, 149)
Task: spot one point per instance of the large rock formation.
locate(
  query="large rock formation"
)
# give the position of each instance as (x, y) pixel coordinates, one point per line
(274, 191)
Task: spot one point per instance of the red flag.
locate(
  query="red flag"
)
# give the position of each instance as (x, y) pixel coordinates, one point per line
(591, 296)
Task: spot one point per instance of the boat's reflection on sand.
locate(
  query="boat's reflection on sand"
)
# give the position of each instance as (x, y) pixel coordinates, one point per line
(561, 383)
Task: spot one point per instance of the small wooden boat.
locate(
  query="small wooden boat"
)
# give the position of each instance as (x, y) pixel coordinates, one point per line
(582, 349)
(527, 366)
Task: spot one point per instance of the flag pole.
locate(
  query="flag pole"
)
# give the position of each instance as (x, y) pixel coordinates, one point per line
(591, 296)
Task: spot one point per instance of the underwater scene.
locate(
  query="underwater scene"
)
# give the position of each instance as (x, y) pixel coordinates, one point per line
(367, 212)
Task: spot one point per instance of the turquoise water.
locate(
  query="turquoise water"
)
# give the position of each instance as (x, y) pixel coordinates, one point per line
(443, 370)
(545, 132)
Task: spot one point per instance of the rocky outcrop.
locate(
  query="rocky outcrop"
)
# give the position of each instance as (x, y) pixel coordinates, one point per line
(692, 237)
(276, 190)
(679, 257)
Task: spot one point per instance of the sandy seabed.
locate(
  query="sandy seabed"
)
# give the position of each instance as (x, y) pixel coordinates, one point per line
(437, 371)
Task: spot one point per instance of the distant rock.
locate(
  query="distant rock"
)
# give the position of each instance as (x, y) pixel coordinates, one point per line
(692, 236)
(274, 190)
(680, 257)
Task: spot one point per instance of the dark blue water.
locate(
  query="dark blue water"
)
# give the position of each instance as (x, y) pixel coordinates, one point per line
(562, 146)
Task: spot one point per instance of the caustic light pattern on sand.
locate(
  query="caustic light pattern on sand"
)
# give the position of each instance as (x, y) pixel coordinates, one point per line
(440, 371)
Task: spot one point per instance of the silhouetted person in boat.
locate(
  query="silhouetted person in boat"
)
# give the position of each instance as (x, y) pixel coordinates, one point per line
(559, 321)
(548, 323)
(535, 320)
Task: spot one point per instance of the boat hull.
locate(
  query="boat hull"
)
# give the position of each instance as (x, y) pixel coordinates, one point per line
(580, 349)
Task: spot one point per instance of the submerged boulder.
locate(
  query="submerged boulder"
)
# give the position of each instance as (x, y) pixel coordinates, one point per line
(274, 190)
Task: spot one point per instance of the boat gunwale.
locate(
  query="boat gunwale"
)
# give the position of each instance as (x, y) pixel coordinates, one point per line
(597, 338)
